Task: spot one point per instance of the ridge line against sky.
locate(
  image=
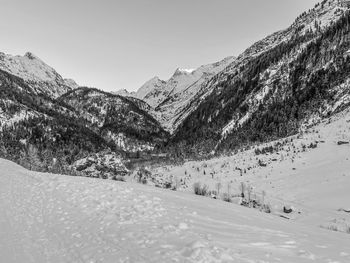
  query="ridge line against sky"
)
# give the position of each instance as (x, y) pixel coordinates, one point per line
(114, 45)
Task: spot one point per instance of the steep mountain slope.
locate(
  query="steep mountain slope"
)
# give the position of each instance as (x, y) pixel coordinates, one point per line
(38, 132)
(275, 85)
(152, 91)
(170, 99)
(39, 76)
(45, 133)
(116, 118)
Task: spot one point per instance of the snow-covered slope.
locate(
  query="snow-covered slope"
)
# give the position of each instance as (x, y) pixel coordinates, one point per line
(43, 78)
(71, 83)
(54, 218)
(309, 171)
(273, 86)
(152, 91)
(318, 19)
(172, 98)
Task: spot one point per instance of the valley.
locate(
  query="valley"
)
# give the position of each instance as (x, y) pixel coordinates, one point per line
(246, 159)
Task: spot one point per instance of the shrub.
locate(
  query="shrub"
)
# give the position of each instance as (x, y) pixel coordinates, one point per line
(226, 197)
(119, 178)
(167, 185)
(144, 180)
(266, 208)
(103, 176)
(199, 189)
(333, 228)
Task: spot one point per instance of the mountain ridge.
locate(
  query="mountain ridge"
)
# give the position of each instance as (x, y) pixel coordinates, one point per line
(252, 82)
(42, 77)
(171, 97)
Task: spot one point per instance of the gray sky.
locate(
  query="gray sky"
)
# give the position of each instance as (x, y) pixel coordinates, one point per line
(116, 44)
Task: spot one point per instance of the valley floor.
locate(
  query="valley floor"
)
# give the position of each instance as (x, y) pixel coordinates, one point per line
(56, 218)
(309, 172)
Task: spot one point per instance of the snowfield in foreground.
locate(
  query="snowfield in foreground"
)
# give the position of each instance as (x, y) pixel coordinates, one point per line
(56, 218)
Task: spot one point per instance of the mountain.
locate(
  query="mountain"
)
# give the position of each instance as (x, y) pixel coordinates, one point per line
(116, 118)
(275, 122)
(151, 92)
(40, 133)
(49, 126)
(171, 99)
(291, 78)
(42, 78)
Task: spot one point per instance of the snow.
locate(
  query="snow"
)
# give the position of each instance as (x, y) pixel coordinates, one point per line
(185, 71)
(28, 67)
(234, 123)
(255, 98)
(181, 89)
(175, 99)
(127, 144)
(71, 83)
(323, 15)
(23, 113)
(54, 218)
(170, 98)
(36, 73)
(315, 182)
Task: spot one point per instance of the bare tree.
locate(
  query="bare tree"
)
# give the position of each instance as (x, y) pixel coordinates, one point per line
(242, 189)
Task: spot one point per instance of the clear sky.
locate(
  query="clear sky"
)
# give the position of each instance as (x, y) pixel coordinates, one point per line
(120, 44)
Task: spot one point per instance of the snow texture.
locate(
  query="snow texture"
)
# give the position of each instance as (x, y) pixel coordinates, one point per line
(56, 218)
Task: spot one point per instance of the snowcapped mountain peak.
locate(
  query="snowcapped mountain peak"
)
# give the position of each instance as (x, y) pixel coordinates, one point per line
(150, 90)
(124, 92)
(154, 84)
(183, 71)
(28, 67)
(42, 77)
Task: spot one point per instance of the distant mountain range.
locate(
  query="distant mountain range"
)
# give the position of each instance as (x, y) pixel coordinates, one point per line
(171, 99)
(291, 78)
